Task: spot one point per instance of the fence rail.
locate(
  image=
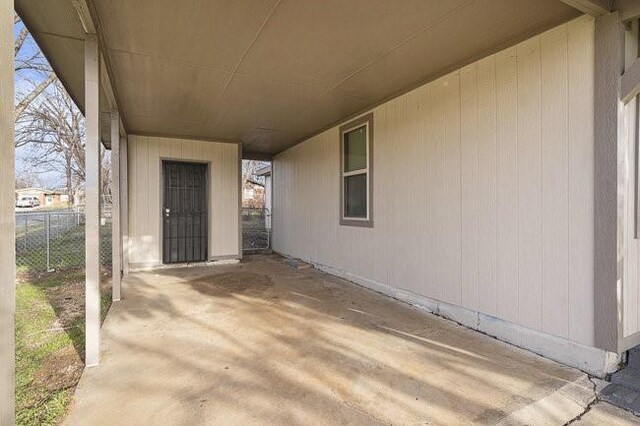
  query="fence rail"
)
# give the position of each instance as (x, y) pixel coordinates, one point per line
(55, 240)
(256, 235)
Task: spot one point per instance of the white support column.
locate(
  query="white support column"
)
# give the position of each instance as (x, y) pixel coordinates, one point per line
(92, 189)
(609, 66)
(124, 202)
(7, 219)
(116, 234)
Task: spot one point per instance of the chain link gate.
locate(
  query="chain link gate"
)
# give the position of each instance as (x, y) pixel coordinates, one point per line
(256, 232)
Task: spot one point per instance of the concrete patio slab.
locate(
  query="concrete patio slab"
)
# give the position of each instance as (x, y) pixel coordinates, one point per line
(261, 342)
(606, 414)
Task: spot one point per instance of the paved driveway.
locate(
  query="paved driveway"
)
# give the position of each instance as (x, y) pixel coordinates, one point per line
(263, 343)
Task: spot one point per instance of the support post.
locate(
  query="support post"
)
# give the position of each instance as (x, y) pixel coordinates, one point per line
(7, 219)
(92, 200)
(116, 235)
(124, 202)
(609, 66)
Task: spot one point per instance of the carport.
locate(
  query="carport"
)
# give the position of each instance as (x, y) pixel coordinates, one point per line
(472, 158)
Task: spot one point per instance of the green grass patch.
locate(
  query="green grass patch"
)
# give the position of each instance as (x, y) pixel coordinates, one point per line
(49, 343)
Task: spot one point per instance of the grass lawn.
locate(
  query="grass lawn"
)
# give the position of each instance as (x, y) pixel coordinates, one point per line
(50, 342)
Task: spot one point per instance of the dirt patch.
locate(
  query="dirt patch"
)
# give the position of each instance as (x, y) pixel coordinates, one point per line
(232, 282)
(60, 370)
(68, 301)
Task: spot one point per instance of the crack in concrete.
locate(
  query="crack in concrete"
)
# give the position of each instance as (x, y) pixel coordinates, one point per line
(589, 406)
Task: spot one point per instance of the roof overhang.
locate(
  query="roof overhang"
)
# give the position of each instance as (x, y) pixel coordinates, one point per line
(271, 73)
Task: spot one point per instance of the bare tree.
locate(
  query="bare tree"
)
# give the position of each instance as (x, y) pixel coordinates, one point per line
(36, 90)
(249, 169)
(32, 69)
(26, 178)
(48, 126)
(105, 175)
(52, 134)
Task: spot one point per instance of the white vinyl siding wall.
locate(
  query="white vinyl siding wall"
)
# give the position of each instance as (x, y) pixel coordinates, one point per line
(145, 192)
(483, 194)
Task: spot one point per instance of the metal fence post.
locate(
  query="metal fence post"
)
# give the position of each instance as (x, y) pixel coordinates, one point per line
(26, 231)
(48, 227)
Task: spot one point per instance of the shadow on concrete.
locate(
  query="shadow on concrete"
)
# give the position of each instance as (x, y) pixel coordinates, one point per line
(263, 342)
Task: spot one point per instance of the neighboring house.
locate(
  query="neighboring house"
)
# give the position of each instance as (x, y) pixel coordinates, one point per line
(253, 194)
(46, 197)
(474, 159)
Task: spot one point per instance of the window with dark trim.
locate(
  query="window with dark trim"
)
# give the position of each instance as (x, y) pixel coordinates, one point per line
(356, 172)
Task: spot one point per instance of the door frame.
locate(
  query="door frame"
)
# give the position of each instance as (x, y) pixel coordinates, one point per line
(161, 162)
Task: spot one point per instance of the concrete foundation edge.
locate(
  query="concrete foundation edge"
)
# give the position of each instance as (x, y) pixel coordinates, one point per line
(139, 267)
(588, 359)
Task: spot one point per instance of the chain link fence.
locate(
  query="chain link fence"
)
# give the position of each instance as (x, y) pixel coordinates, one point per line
(256, 234)
(55, 240)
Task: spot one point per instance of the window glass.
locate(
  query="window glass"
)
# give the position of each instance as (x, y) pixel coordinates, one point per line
(355, 149)
(355, 196)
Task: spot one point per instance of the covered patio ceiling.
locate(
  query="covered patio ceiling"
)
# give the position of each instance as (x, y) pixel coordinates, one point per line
(271, 73)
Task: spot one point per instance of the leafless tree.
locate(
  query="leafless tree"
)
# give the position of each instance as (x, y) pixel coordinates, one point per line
(52, 131)
(105, 174)
(32, 69)
(49, 128)
(249, 169)
(26, 178)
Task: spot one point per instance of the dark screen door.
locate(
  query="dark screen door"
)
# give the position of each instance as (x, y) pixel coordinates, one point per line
(184, 212)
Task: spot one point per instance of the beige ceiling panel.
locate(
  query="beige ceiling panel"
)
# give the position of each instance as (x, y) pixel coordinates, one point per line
(57, 17)
(252, 103)
(212, 33)
(164, 89)
(333, 111)
(175, 128)
(332, 108)
(448, 46)
(322, 42)
(266, 104)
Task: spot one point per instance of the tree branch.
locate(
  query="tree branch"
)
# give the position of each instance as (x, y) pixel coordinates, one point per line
(22, 36)
(24, 103)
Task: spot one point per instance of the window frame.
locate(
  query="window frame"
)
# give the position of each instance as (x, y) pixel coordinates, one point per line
(367, 121)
